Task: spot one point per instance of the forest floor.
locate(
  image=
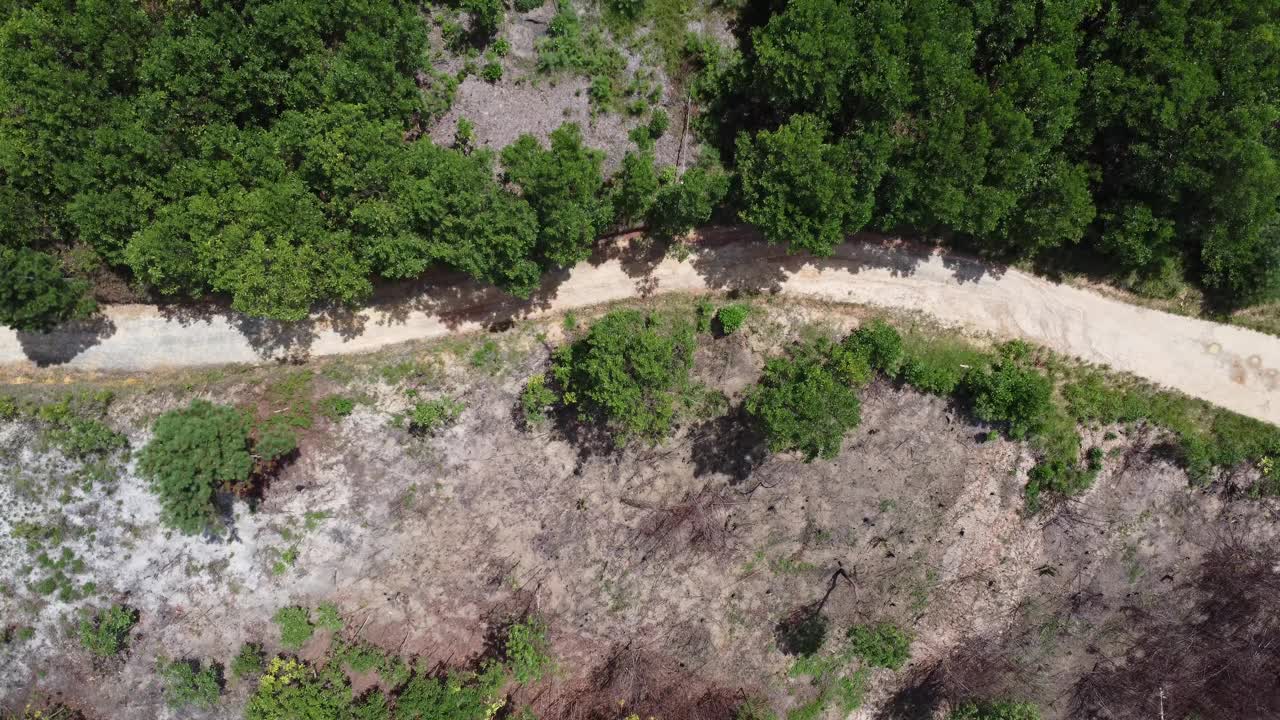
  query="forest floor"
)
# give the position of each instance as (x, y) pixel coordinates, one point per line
(1227, 365)
(664, 573)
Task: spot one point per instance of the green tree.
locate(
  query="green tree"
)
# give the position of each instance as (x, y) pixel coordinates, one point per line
(635, 186)
(629, 372)
(564, 186)
(685, 203)
(450, 210)
(35, 295)
(798, 188)
(192, 453)
(806, 402)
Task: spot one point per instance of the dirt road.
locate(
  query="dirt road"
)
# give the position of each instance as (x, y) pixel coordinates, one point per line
(1230, 366)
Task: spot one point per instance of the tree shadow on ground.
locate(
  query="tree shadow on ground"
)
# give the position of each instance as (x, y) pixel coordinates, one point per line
(917, 700)
(729, 445)
(64, 343)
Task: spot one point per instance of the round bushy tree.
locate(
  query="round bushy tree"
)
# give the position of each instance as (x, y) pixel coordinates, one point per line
(806, 402)
(1019, 396)
(628, 373)
(195, 451)
(797, 188)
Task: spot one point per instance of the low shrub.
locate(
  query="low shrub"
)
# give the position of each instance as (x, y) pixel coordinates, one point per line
(106, 634)
(628, 373)
(882, 645)
(336, 407)
(292, 689)
(295, 626)
(536, 399)
(526, 651)
(1009, 393)
(431, 416)
(198, 450)
(186, 683)
(247, 662)
(880, 344)
(732, 317)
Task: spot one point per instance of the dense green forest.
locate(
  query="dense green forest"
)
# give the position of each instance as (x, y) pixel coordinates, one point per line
(1139, 133)
(264, 150)
(272, 150)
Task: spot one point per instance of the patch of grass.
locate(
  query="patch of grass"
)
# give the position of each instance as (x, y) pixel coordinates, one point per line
(106, 634)
(882, 645)
(289, 400)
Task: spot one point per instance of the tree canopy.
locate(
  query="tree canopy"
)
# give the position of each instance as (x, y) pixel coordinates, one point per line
(269, 151)
(1146, 132)
(628, 373)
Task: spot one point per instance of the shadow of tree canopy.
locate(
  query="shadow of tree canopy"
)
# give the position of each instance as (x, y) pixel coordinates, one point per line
(64, 343)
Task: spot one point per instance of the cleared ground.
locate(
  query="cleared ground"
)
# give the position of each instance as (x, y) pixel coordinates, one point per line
(664, 573)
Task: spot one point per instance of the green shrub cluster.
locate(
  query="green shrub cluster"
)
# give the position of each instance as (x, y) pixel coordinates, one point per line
(290, 688)
(106, 634)
(526, 652)
(807, 401)
(295, 624)
(198, 450)
(430, 416)
(732, 317)
(248, 662)
(629, 373)
(187, 684)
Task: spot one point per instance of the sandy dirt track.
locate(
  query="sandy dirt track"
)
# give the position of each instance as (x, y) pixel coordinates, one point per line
(1229, 366)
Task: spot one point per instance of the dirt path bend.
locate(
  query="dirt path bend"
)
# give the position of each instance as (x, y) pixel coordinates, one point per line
(1229, 366)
